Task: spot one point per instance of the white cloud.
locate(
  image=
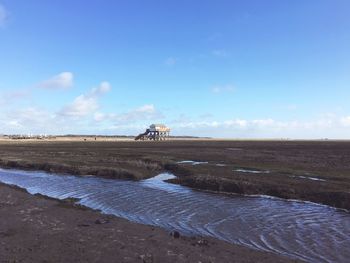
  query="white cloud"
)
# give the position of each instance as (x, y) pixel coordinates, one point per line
(81, 106)
(3, 16)
(98, 116)
(345, 121)
(36, 120)
(103, 88)
(28, 120)
(86, 104)
(144, 113)
(329, 126)
(83, 115)
(237, 122)
(14, 123)
(170, 61)
(263, 122)
(222, 88)
(63, 80)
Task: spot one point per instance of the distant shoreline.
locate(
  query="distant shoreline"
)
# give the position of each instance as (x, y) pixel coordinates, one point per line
(171, 138)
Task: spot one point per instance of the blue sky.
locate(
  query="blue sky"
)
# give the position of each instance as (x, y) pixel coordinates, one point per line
(236, 69)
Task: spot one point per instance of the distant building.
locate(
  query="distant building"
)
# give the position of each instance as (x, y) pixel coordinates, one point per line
(159, 128)
(155, 132)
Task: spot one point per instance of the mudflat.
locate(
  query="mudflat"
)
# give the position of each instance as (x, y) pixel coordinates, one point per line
(317, 171)
(40, 229)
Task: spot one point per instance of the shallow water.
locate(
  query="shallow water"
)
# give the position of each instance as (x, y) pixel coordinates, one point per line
(311, 178)
(307, 231)
(191, 162)
(251, 171)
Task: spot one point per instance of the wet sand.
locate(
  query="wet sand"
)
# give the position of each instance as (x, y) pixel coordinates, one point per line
(40, 229)
(317, 171)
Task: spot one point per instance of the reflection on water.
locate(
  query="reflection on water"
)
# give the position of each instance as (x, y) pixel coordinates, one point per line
(242, 170)
(191, 162)
(311, 178)
(306, 231)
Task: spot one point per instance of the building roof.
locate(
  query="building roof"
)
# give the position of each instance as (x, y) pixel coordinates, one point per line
(159, 127)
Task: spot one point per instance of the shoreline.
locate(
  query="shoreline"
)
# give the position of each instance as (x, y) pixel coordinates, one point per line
(172, 181)
(216, 186)
(44, 228)
(139, 160)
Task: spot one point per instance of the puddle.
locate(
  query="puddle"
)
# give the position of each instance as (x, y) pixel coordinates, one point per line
(191, 162)
(310, 178)
(251, 171)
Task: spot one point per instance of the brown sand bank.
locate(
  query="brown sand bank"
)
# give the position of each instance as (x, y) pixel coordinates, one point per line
(39, 229)
(317, 171)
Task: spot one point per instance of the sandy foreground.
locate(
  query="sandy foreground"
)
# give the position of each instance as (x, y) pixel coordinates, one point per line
(40, 229)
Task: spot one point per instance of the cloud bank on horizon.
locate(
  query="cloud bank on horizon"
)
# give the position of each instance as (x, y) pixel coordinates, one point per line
(235, 70)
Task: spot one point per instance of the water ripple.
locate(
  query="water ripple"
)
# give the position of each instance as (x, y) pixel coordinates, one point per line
(307, 231)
